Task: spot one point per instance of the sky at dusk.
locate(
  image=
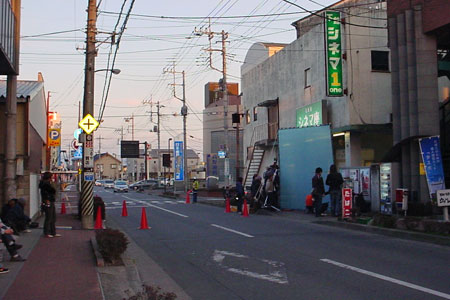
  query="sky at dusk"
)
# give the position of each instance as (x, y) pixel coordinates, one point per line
(149, 45)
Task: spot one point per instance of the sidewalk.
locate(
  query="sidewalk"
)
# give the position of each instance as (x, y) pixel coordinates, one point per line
(56, 268)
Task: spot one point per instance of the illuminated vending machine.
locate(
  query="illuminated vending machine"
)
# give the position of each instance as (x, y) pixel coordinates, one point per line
(384, 181)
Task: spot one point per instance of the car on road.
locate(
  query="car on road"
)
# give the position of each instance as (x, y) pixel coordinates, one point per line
(99, 182)
(144, 184)
(120, 186)
(108, 184)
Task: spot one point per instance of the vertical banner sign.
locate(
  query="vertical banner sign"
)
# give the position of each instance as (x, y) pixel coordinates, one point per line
(179, 161)
(431, 154)
(346, 203)
(333, 46)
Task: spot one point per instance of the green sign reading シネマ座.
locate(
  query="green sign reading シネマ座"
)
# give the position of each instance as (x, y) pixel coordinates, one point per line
(334, 53)
(310, 115)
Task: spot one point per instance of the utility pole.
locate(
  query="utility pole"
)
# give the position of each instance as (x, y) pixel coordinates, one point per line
(184, 114)
(100, 144)
(146, 159)
(159, 142)
(87, 186)
(223, 86)
(237, 144)
(132, 125)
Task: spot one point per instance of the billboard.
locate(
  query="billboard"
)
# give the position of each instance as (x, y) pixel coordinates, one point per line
(333, 52)
(178, 154)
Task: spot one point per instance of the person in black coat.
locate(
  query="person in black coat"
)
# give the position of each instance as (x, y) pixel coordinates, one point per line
(239, 194)
(318, 191)
(335, 181)
(48, 204)
(15, 217)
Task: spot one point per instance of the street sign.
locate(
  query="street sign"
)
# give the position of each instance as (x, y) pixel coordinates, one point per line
(89, 141)
(88, 176)
(88, 154)
(443, 198)
(179, 160)
(333, 50)
(54, 137)
(88, 124)
(77, 133)
(346, 203)
(129, 149)
(74, 144)
(221, 154)
(78, 154)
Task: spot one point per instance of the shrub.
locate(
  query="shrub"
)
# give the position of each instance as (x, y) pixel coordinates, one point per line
(436, 226)
(412, 223)
(112, 244)
(384, 221)
(152, 293)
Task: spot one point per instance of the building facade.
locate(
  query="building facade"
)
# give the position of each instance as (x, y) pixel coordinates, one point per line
(107, 166)
(288, 87)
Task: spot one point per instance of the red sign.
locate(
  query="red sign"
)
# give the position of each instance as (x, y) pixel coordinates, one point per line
(346, 203)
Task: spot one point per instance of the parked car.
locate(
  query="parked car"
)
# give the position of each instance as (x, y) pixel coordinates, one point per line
(120, 186)
(99, 182)
(108, 184)
(144, 184)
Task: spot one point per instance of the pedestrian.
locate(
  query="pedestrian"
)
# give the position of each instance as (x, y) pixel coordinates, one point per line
(10, 243)
(270, 191)
(195, 186)
(48, 205)
(318, 190)
(16, 218)
(335, 181)
(239, 194)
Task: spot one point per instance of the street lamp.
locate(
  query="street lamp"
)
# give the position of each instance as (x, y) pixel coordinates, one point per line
(170, 164)
(114, 71)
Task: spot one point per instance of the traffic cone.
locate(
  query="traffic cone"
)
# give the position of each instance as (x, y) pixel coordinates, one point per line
(188, 197)
(98, 219)
(227, 205)
(124, 209)
(63, 208)
(245, 209)
(144, 224)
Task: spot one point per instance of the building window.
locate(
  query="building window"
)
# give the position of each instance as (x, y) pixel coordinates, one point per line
(380, 60)
(247, 117)
(113, 166)
(307, 78)
(255, 113)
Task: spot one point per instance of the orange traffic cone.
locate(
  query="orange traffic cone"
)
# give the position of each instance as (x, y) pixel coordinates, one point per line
(144, 224)
(188, 197)
(63, 208)
(124, 209)
(245, 209)
(98, 219)
(227, 205)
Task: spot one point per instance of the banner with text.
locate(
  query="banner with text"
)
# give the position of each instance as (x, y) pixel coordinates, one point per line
(333, 46)
(179, 160)
(431, 154)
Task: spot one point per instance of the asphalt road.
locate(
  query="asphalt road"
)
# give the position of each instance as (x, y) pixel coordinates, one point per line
(214, 255)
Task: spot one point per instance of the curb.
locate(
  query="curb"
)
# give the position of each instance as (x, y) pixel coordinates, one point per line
(410, 235)
(98, 256)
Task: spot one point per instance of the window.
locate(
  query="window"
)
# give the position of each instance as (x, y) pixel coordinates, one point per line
(380, 60)
(247, 117)
(113, 166)
(307, 78)
(255, 113)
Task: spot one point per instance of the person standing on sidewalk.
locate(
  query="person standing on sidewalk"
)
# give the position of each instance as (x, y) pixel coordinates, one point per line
(335, 181)
(195, 186)
(48, 205)
(239, 194)
(318, 191)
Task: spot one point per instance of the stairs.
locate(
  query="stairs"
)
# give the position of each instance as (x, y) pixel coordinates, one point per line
(253, 167)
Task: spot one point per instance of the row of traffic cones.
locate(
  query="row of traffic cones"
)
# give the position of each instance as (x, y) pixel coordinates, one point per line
(144, 223)
(244, 209)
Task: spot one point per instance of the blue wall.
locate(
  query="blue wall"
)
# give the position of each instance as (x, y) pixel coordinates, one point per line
(302, 150)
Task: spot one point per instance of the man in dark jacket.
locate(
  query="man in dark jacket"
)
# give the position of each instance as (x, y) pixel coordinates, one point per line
(239, 194)
(48, 202)
(318, 191)
(335, 181)
(16, 218)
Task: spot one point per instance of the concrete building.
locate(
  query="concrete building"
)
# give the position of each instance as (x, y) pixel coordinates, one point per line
(290, 87)
(419, 39)
(31, 133)
(213, 131)
(107, 166)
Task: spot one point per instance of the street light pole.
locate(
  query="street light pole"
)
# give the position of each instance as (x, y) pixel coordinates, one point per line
(170, 163)
(87, 187)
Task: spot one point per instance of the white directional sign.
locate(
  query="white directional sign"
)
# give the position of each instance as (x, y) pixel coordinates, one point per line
(88, 124)
(443, 198)
(88, 157)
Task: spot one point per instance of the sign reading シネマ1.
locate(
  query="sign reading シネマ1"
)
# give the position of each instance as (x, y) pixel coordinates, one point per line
(334, 53)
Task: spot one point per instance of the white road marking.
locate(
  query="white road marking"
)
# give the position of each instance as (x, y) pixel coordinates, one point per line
(231, 230)
(277, 274)
(116, 203)
(386, 278)
(157, 207)
(155, 201)
(181, 201)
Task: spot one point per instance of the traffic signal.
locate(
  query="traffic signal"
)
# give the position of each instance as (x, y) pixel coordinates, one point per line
(166, 160)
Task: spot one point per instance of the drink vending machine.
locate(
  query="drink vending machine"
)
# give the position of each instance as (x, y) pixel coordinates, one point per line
(384, 182)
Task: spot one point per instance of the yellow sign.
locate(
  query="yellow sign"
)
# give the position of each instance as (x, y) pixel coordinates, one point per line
(88, 124)
(422, 169)
(54, 137)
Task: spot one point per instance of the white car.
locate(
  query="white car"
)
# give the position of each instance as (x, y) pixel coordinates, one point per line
(99, 183)
(120, 186)
(108, 184)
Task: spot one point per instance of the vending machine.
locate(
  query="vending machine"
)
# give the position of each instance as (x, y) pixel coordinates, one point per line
(384, 181)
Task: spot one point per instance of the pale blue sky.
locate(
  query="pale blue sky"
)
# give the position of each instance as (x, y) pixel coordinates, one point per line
(160, 41)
